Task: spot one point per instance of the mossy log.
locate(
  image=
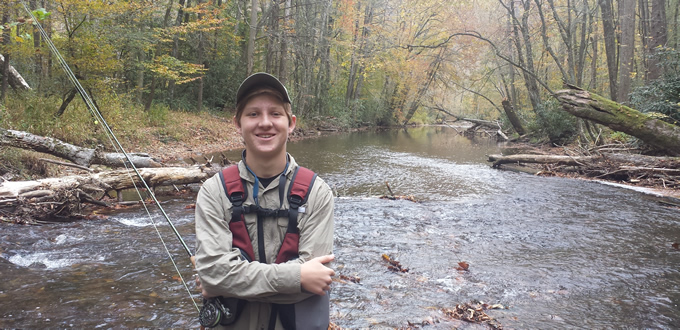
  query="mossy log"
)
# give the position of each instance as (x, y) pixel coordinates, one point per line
(78, 155)
(655, 132)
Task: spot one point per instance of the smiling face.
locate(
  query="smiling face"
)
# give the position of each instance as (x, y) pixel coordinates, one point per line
(264, 125)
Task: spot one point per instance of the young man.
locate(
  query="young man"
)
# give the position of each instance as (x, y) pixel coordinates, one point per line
(287, 295)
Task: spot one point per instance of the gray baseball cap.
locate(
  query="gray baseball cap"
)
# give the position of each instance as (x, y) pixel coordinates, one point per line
(261, 79)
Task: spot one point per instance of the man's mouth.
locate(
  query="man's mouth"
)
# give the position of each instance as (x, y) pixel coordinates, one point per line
(265, 136)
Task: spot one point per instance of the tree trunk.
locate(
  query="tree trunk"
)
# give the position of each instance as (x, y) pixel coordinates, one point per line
(6, 56)
(655, 132)
(251, 38)
(644, 32)
(594, 59)
(65, 102)
(78, 155)
(201, 46)
(38, 55)
(529, 80)
(283, 59)
(609, 33)
(659, 37)
(627, 48)
(154, 78)
(512, 117)
(175, 48)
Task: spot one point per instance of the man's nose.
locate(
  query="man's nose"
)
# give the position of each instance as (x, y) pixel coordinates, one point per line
(266, 120)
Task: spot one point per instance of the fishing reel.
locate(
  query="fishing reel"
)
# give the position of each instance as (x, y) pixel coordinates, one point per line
(214, 313)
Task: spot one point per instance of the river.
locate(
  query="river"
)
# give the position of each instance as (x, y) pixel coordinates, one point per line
(553, 252)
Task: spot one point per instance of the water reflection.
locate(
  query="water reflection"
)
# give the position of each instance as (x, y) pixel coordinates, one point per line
(558, 253)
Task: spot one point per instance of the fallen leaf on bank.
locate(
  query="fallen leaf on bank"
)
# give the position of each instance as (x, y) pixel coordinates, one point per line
(190, 206)
(676, 245)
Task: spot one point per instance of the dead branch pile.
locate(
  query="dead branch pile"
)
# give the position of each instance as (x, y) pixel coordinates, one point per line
(603, 162)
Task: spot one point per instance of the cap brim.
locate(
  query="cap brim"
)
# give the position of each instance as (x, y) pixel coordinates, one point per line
(261, 79)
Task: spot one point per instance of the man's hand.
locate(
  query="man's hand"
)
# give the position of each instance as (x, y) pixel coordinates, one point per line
(198, 280)
(315, 277)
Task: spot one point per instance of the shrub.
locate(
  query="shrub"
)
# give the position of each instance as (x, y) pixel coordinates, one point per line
(661, 95)
(559, 126)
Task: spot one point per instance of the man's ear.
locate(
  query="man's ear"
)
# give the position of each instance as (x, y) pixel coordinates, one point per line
(291, 125)
(237, 124)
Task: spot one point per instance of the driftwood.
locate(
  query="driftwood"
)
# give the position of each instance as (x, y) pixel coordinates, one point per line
(623, 159)
(633, 168)
(78, 155)
(653, 131)
(539, 159)
(477, 124)
(62, 197)
(16, 81)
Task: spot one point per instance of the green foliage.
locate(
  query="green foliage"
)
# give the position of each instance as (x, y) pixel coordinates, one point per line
(620, 137)
(558, 125)
(158, 114)
(661, 95)
(41, 13)
(421, 117)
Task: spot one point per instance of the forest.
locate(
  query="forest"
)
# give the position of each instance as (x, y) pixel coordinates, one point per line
(352, 63)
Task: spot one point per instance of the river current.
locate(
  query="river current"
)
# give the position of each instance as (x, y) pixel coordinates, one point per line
(552, 252)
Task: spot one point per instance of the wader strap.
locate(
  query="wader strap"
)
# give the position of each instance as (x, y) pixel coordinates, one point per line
(298, 193)
(235, 191)
(286, 315)
(272, 317)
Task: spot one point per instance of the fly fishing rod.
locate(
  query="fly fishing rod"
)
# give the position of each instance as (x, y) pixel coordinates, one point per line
(117, 145)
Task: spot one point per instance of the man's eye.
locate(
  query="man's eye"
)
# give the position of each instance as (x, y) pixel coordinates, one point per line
(252, 114)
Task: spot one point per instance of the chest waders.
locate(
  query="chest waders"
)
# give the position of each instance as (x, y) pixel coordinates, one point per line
(235, 189)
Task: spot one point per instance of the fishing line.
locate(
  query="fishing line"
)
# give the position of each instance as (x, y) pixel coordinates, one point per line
(119, 147)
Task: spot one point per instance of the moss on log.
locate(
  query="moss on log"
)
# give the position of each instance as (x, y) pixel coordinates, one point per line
(655, 132)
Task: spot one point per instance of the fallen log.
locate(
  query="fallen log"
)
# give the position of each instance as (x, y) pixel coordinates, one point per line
(653, 131)
(539, 159)
(63, 197)
(632, 168)
(78, 155)
(672, 171)
(16, 81)
(621, 159)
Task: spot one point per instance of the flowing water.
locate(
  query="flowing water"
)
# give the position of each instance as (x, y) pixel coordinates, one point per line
(555, 253)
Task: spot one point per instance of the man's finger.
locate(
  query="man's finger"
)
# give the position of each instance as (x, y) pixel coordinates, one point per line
(325, 259)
